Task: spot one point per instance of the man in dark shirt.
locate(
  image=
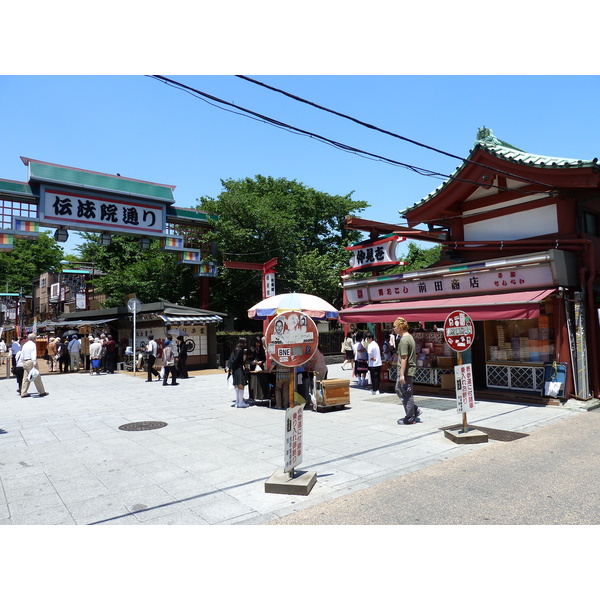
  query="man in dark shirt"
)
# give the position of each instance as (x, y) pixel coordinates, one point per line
(111, 348)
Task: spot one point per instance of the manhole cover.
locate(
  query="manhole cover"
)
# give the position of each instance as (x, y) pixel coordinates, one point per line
(500, 435)
(142, 426)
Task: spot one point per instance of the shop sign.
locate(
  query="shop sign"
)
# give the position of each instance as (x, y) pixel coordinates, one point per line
(269, 285)
(371, 256)
(96, 213)
(465, 394)
(293, 437)
(292, 338)
(459, 331)
(80, 301)
(511, 279)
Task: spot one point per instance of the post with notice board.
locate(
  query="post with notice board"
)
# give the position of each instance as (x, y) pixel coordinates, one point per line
(459, 332)
(292, 339)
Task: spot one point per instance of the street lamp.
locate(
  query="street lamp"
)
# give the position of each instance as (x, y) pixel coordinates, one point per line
(61, 235)
(104, 239)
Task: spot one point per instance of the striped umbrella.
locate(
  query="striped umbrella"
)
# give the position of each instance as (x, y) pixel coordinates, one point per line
(310, 305)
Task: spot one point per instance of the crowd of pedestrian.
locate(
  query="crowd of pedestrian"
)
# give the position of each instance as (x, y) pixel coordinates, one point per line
(365, 356)
(361, 351)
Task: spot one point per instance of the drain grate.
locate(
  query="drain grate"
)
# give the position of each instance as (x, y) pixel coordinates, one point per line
(500, 435)
(142, 426)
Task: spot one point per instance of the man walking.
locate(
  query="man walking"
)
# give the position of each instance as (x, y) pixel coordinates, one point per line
(407, 368)
(29, 357)
(75, 353)
(182, 358)
(152, 350)
(374, 358)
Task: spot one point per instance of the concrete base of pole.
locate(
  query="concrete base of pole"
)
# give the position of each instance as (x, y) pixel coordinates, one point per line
(470, 436)
(281, 483)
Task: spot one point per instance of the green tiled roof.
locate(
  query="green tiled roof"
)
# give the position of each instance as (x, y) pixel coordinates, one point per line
(496, 147)
(175, 214)
(47, 172)
(487, 140)
(15, 188)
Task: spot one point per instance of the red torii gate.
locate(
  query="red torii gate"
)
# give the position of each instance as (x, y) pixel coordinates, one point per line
(266, 268)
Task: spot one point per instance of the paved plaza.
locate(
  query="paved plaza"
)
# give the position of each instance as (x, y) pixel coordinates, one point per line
(64, 460)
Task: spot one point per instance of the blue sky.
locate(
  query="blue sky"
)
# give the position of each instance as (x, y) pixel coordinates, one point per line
(144, 129)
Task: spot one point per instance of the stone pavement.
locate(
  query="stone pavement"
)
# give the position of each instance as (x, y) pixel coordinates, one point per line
(64, 460)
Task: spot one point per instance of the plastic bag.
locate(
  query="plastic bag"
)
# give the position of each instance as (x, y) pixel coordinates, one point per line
(33, 374)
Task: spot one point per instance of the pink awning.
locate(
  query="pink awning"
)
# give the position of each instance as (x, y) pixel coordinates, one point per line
(511, 305)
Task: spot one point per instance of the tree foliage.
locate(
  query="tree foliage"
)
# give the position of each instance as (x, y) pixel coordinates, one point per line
(28, 260)
(419, 258)
(151, 274)
(265, 218)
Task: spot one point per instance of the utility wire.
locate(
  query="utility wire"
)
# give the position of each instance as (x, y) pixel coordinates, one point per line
(257, 116)
(385, 131)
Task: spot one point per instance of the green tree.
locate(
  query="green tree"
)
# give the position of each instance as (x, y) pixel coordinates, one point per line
(265, 218)
(419, 257)
(151, 274)
(29, 258)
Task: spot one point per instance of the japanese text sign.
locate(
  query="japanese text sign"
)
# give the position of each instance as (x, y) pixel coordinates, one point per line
(373, 255)
(465, 395)
(402, 287)
(459, 331)
(101, 213)
(293, 437)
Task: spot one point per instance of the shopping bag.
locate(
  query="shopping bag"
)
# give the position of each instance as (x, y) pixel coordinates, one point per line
(552, 388)
(33, 374)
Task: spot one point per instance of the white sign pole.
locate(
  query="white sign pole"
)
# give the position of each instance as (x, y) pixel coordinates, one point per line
(134, 343)
(134, 305)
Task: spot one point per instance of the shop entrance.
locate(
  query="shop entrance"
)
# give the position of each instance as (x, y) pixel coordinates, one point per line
(478, 353)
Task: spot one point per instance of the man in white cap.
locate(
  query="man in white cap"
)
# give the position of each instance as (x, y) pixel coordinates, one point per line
(29, 357)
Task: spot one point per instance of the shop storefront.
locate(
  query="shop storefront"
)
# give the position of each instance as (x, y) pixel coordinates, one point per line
(520, 244)
(515, 325)
(199, 328)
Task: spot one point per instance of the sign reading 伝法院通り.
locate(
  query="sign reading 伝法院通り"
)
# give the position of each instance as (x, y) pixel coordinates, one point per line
(89, 212)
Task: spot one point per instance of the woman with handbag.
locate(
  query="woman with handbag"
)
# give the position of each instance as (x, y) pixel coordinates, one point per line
(348, 352)
(237, 369)
(168, 358)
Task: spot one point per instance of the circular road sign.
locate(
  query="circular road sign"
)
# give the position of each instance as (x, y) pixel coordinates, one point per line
(292, 338)
(459, 330)
(134, 305)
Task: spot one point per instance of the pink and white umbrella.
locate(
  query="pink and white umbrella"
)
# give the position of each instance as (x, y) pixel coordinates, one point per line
(310, 305)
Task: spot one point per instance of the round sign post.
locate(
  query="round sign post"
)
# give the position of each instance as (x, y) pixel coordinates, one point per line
(133, 305)
(459, 331)
(292, 339)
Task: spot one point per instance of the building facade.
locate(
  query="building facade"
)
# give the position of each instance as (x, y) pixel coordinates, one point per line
(521, 250)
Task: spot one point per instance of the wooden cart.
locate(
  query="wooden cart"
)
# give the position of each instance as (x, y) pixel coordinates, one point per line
(332, 392)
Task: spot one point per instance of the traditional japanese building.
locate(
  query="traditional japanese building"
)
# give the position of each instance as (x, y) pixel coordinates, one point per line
(521, 250)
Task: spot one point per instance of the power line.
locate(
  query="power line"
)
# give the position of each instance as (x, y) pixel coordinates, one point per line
(257, 116)
(385, 131)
